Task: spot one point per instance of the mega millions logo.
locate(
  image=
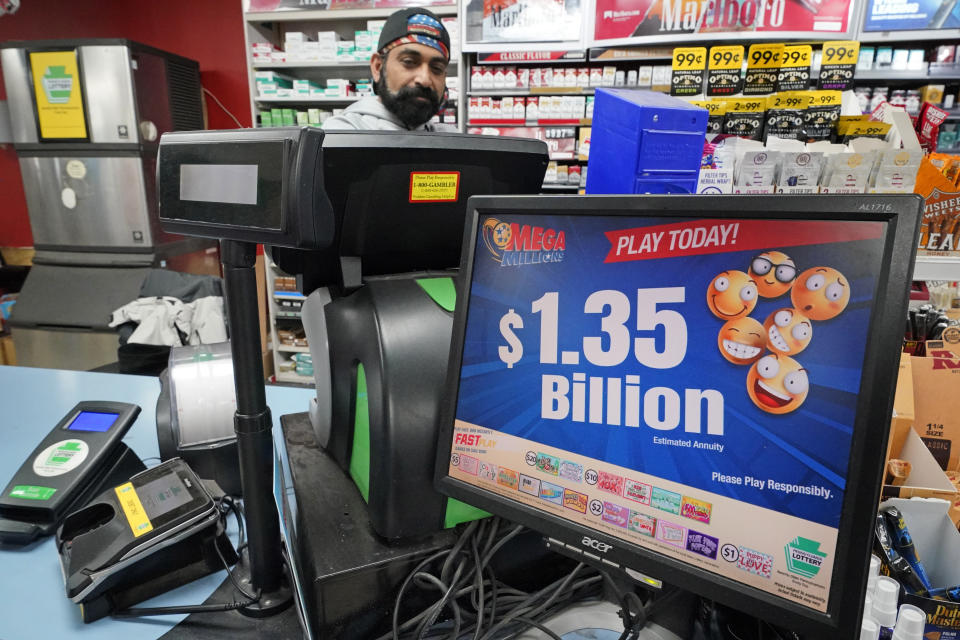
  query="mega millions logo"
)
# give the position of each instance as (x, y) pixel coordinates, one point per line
(515, 245)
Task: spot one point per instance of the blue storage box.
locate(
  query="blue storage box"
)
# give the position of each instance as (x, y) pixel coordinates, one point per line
(644, 142)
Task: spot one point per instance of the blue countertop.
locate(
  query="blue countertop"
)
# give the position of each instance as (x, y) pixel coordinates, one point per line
(32, 401)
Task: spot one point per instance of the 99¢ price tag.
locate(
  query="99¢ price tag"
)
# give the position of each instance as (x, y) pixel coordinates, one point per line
(838, 65)
(724, 78)
(763, 66)
(689, 64)
(794, 72)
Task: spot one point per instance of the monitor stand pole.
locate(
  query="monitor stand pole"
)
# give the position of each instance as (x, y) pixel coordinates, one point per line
(254, 427)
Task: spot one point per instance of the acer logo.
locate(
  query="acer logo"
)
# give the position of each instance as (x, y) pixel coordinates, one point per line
(602, 547)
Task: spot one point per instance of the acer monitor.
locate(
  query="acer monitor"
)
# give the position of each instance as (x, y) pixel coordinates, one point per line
(693, 388)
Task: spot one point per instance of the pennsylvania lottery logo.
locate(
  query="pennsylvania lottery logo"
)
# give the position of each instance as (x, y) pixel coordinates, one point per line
(804, 557)
(515, 245)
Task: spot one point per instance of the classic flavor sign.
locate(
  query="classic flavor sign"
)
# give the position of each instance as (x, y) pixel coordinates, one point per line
(619, 19)
(687, 385)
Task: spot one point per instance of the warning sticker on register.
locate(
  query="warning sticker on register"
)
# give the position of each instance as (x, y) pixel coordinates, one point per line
(440, 186)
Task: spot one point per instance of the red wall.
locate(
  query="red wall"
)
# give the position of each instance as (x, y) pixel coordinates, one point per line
(208, 31)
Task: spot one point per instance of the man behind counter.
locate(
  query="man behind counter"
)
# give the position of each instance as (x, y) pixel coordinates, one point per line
(409, 77)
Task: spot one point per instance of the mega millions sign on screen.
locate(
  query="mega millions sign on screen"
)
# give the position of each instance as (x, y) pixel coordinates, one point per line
(624, 19)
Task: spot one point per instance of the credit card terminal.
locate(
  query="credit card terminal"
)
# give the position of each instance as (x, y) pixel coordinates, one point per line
(148, 535)
(73, 463)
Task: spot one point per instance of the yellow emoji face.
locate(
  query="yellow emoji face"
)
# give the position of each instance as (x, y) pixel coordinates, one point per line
(741, 341)
(777, 384)
(774, 273)
(821, 293)
(731, 295)
(788, 331)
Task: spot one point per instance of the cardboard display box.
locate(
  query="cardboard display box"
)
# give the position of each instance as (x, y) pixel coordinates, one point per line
(903, 409)
(938, 546)
(937, 408)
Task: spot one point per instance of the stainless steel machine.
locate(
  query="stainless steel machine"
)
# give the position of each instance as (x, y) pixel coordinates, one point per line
(86, 117)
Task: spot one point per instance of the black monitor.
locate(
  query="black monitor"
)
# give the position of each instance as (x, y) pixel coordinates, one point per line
(694, 388)
(399, 199)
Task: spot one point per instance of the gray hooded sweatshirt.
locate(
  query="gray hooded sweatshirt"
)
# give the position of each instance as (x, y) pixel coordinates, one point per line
(368, 113)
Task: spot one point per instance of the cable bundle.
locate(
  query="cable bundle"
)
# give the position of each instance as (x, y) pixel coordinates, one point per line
(479, 606)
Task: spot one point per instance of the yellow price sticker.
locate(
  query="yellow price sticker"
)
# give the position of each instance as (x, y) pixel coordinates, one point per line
(864, 128)
(690, 59)
(787, 100)
(726, 58)
(796, 56)
(841, 52)
(765, 56)
(714, 107)
(823, 98)
(746, 105)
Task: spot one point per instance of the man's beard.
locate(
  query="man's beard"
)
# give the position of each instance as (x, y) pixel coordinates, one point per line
(405, 105)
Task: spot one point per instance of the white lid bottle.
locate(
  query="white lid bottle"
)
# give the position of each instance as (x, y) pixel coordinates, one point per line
(910, 623)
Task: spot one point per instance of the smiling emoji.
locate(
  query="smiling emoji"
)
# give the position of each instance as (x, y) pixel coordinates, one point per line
(741, 340)
(821, 293)
(777, 384)
(732, 295)
(774, 273)
(788, 331)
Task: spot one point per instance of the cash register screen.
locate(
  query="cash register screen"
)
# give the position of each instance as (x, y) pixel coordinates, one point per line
(689, 387)
(163, 495)
(93, 421)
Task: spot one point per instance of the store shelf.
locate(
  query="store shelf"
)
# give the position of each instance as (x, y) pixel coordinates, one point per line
(544, 91)
(887, 75)
(289, 349)
(916, 35)
(937, 268)
(362, 64)
(296, 378)
(930, 71)
(313, 65)
(308, 100)
(289, 295)
(317, 15)
(560, 187)
(584, 122)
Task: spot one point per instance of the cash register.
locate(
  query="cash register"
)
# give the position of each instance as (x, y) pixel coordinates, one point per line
(372, 227)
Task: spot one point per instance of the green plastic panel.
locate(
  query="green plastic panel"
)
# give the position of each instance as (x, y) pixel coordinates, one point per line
(442, 290)
(458, 512)
(360, 452)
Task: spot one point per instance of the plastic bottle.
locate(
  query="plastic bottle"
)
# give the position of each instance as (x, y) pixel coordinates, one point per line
(910, 623)
(868, 607)
(885, 605)
(873, 574)
(869, 630)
